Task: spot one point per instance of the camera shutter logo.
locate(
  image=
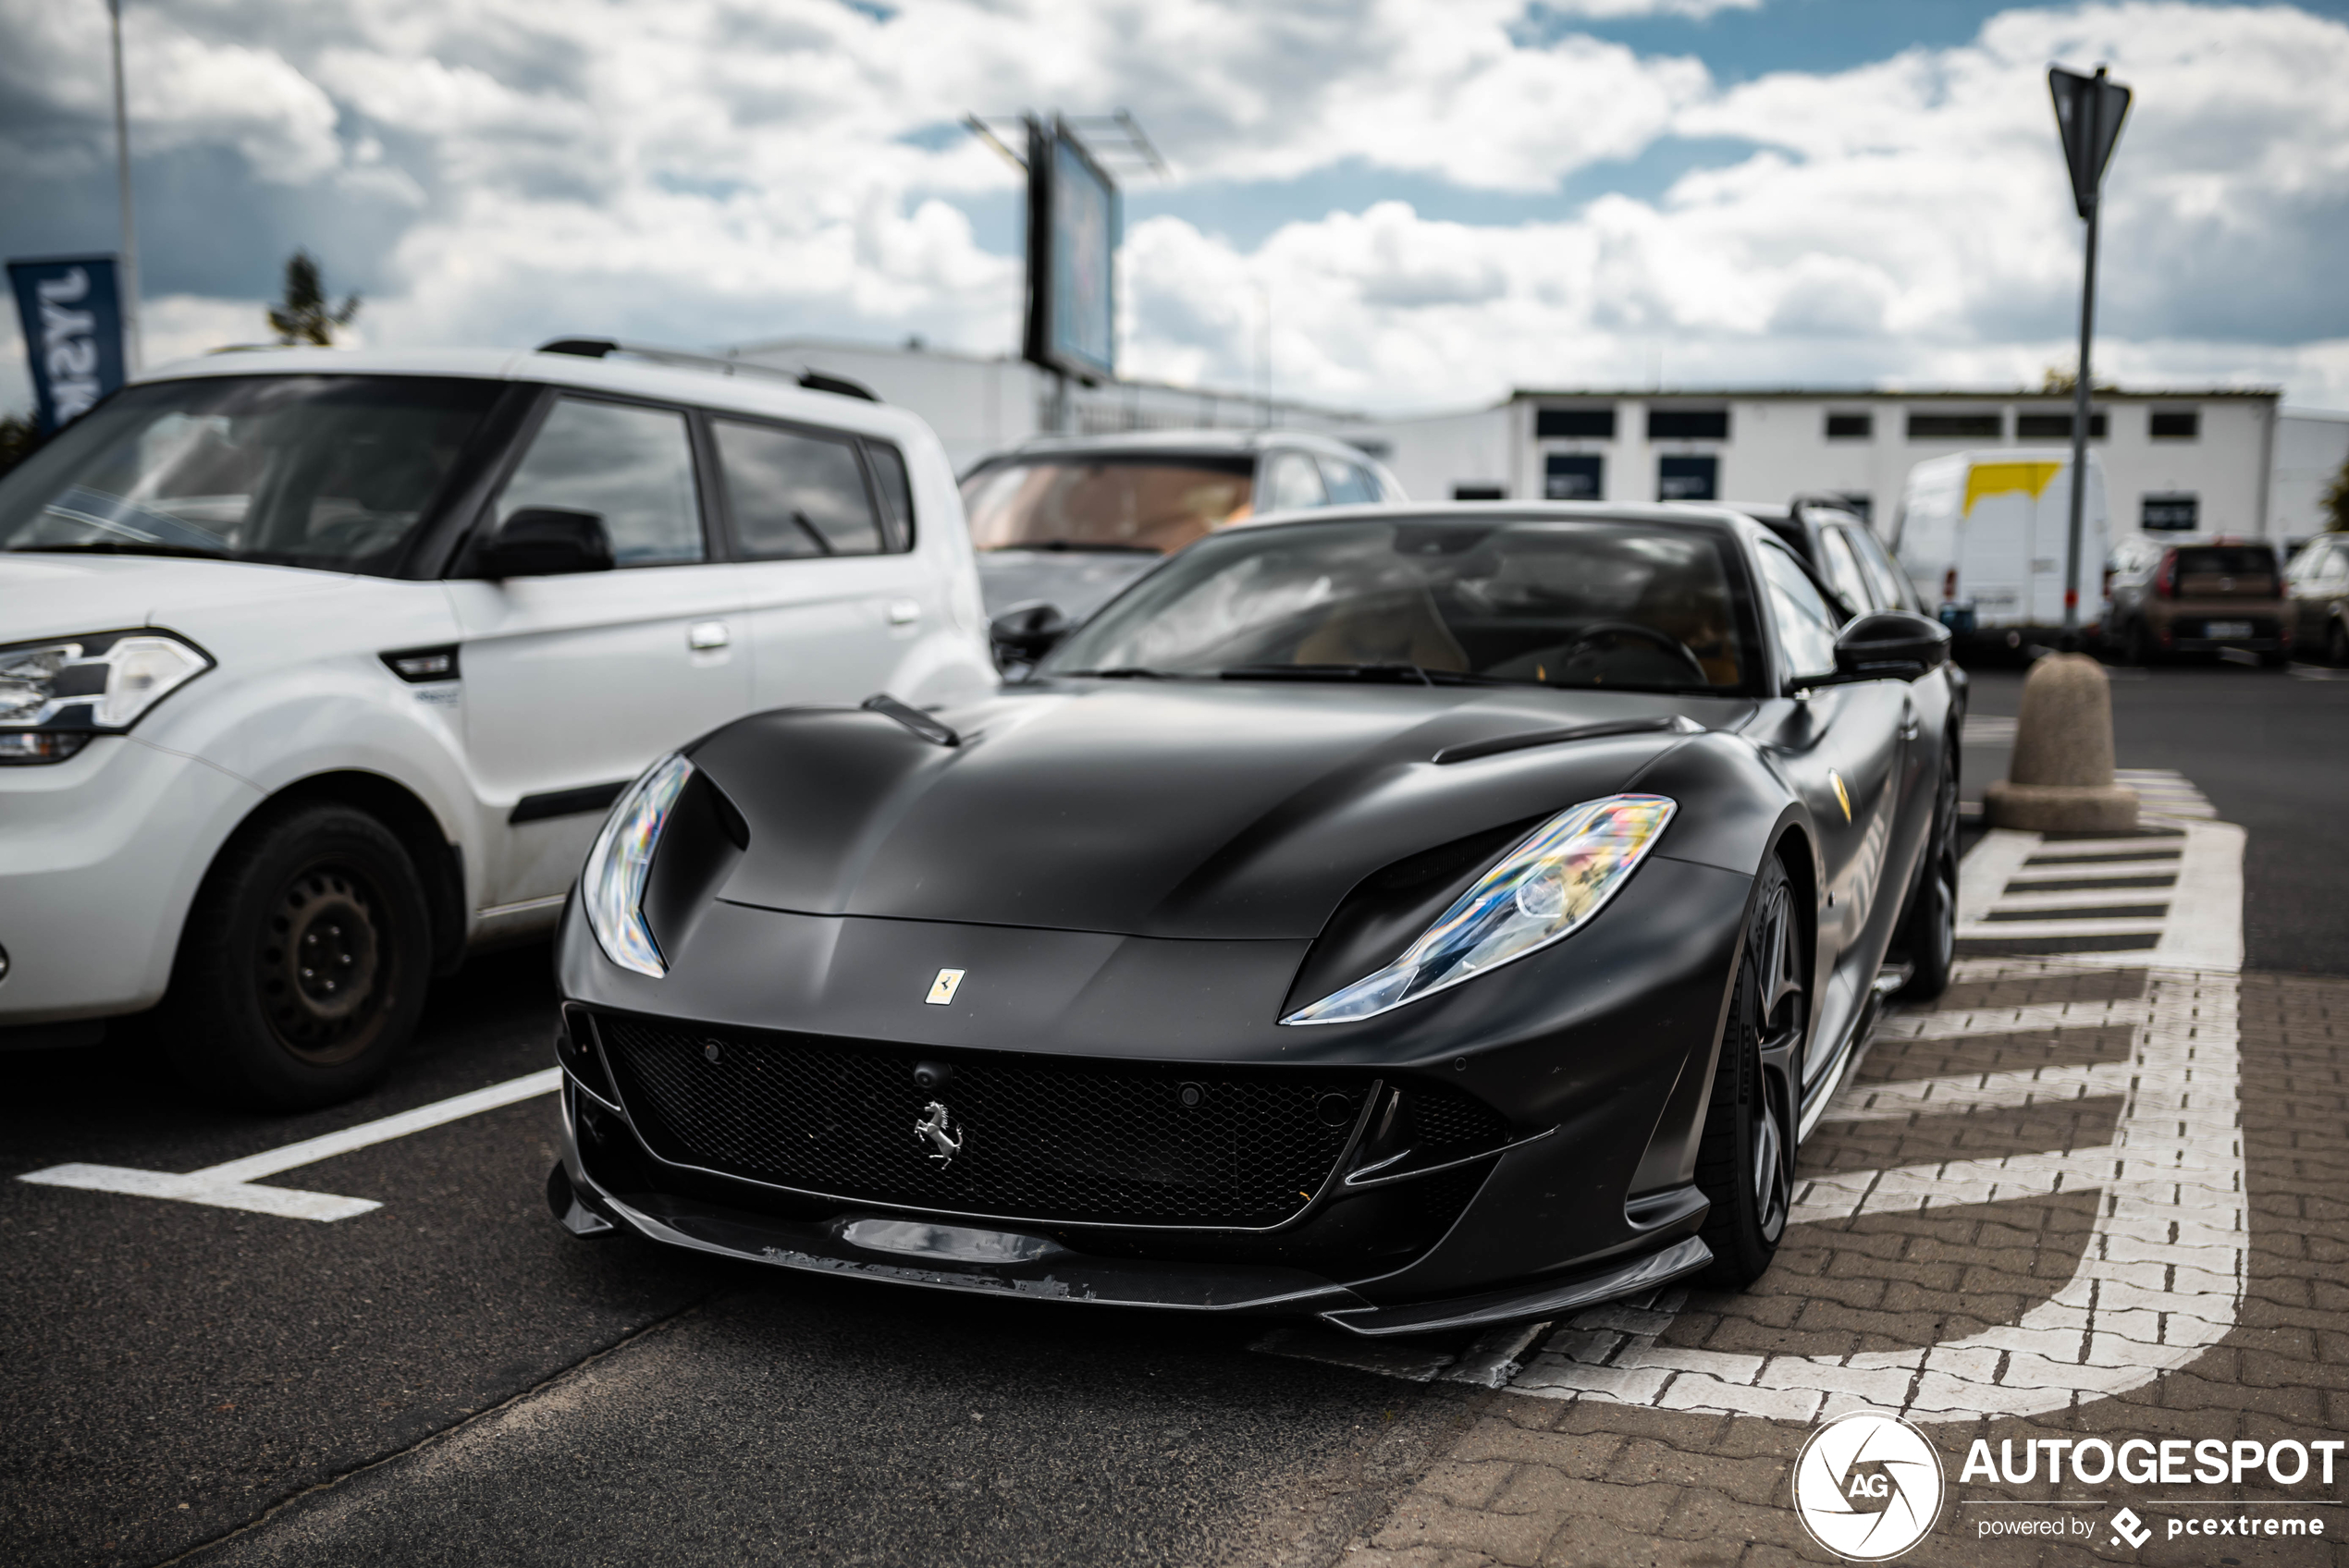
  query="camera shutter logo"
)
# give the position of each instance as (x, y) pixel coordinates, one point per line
(1868, 1486)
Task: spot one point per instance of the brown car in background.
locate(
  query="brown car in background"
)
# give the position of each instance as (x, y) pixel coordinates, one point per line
(2318, 580)
(2199, 599)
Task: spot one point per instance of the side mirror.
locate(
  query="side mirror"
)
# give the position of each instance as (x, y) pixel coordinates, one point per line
(1027, 633)
(547, 542)
(1890, 645)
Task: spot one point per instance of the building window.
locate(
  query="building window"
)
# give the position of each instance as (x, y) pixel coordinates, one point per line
(1571, 476)
(1479, 492)
(1688, 479)
(2055, 427)
(2175, 424)
(1688, 424)
(2170, 514)
(1596, 424)
(1851, 427)
(1954, 427)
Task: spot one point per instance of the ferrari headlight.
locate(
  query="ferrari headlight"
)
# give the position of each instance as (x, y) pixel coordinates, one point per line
(55, 694)
(1548, 887)
(613, 884)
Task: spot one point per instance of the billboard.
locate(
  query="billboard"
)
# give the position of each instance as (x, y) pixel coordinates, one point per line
(71, 314)
(1074, 226)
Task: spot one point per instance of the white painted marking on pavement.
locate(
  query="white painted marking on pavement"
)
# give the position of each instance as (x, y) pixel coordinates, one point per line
(233, 1184)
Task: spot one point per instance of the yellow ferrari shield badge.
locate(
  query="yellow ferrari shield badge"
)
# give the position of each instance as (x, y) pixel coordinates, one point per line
(1842, 796)
(941, 990)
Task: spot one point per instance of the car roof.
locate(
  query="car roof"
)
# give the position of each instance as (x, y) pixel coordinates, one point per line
(772, 395)
(1177, 443)
(1681, 514)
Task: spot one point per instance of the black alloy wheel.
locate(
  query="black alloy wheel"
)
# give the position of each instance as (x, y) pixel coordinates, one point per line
(1929, 937)
(2337, 644)
(302, 969)
(1746, 1164)
(2138, 646)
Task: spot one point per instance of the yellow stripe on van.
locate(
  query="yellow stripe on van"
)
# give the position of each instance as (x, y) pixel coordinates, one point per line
(1998, 479)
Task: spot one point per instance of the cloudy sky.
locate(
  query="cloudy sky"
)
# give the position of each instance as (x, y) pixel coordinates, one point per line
(1436, 200)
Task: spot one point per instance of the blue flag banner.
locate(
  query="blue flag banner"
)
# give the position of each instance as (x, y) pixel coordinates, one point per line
(72, 318)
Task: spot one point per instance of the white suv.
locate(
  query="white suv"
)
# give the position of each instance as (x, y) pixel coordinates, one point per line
(318, 669)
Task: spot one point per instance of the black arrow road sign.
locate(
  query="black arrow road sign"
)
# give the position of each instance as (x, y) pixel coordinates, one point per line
(2089, 110)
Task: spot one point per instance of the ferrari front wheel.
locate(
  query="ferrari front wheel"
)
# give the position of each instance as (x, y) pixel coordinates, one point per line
(1746, 1164)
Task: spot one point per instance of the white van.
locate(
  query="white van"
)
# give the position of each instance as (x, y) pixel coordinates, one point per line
(1984, 536)
(319, 670)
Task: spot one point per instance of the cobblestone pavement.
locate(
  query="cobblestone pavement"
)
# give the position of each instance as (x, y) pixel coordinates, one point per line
(2097, 1195)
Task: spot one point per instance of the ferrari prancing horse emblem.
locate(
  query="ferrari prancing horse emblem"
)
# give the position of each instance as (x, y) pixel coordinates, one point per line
(932, 1129)
(941, 990)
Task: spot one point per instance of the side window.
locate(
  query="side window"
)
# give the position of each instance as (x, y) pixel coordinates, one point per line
(1348, 485)
(896, 491)
(1882, 575)
(1290, 482)
(1805, 626)
(1843, 569)
(633, 467)
(2335, 567)
(791, 494)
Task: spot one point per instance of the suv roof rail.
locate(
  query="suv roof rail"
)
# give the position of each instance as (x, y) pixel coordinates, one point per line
(1818, 498)
(804, 376)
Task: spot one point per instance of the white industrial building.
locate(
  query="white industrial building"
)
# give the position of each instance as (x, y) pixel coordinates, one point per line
(2175, 461)
(2225, 461)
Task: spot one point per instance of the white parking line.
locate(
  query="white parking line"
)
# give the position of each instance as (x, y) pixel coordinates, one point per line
(234, 1183)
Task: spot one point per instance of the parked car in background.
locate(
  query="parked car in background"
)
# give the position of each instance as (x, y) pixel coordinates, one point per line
(2317, 583)
(1842, 549)
(2199, 599)
(321, 668)
(1070, 521)
(1984, 537)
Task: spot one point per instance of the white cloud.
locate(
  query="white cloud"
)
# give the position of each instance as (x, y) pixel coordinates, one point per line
(707, 171)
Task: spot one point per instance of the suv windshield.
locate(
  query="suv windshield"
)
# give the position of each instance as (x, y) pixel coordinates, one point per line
(1097, 501)
(2227, 561)
(320, 471)
(1624, 605)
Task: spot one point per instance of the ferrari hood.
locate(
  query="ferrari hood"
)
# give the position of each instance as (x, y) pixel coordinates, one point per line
(1204, 810)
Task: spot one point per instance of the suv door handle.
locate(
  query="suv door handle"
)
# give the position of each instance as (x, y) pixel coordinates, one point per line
(903, 612)
(707, 634)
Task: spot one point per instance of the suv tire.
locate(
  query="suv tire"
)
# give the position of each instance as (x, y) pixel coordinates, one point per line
(302, 969)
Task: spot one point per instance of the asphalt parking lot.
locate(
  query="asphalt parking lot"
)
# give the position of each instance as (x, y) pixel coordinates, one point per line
(449, 1377)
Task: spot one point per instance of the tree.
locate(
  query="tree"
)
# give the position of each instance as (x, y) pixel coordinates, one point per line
(17, 438)
(2336, 501)
(305, 316)
(2063, 378)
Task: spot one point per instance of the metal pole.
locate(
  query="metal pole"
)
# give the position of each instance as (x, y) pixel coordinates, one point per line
(130, 280)
(2081, 385)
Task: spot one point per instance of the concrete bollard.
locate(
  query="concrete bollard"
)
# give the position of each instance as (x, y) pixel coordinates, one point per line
(2060, 780)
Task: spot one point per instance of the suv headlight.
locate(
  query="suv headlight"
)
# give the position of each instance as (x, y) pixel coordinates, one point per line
(613, 884)
(1546, 888)
(57, 693)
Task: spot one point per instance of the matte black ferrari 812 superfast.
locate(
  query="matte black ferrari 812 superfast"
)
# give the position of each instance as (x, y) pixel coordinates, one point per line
(1416, 918)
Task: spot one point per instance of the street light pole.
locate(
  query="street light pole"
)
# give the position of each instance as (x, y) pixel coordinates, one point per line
(129, 278)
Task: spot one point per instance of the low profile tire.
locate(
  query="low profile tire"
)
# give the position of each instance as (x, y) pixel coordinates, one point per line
(1929, 938)
(2337, 644)
(2136, 647)
(1746, 1164)
(302, 969)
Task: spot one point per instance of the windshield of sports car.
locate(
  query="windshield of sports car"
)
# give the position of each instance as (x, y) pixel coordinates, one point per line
(1149, 504)
(333, 471)
(1623, 605)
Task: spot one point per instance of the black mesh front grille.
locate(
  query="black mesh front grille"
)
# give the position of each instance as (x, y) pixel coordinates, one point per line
(1043, 1139)
(1448, 1122)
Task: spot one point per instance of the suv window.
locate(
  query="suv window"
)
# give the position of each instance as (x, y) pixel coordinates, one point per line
(332, 471)
(2227, 561)
(1348, 483)
(794, 494)
(630, 465)
(1882, 574)
(1291, 482)
(896, 493)
(1805, 625)
(1843, 569)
